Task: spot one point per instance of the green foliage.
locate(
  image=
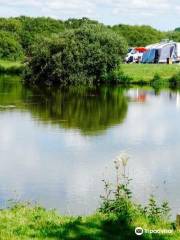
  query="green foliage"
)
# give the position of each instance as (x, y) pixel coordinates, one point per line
(10, 25)
(173, 35)
(117, 199)
(9, 47)
(156, 213)
(81, 56)
(139, 35)
(157, 82)
(32, 28)
(175, 80)
(72, 23)
(118, 77)
(27, 29)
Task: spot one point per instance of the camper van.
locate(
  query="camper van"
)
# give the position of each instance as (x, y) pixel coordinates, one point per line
(164, 52)
(135, 55)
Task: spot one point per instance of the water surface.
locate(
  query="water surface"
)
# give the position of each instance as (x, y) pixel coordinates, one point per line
(57, 146)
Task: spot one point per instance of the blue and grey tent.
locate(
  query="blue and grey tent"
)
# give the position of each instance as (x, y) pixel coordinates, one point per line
(161, 52)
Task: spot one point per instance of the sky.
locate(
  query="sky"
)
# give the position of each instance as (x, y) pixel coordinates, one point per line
(161, 14)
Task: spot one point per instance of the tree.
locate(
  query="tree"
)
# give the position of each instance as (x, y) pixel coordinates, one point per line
(139, 35)
(81, 56)
(10, 48)
(173, 35)
(77, 23)
(41, 26)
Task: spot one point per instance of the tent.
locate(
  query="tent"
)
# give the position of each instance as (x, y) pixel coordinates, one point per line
(161, 52)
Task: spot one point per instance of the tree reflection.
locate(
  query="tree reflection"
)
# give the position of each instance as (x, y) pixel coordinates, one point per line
(91, 110)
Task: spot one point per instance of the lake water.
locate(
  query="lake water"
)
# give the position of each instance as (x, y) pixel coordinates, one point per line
(57, 146)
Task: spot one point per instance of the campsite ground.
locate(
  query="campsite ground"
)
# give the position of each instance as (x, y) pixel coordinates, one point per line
(146, 72)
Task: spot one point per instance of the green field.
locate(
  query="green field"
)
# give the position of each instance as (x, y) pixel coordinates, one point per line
(146, 72)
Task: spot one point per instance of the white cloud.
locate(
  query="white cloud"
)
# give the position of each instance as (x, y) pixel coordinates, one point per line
(159, 13)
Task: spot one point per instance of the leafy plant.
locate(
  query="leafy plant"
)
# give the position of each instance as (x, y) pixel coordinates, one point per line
(117, 199)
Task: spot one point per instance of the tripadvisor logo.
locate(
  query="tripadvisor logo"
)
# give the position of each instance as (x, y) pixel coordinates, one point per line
(139, 231)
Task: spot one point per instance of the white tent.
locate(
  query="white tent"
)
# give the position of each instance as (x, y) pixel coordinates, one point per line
(161, 52)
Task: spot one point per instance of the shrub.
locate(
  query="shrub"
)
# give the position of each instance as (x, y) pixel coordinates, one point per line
(175, 80)
(118, 77)
(81, 56)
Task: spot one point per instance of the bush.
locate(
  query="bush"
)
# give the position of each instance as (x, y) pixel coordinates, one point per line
(118, 77)
(10, 48)
(81, 56)
(175, 80)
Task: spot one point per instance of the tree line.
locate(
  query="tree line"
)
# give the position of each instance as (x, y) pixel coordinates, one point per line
(18, 34)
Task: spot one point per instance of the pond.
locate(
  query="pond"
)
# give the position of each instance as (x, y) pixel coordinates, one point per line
(56, 146)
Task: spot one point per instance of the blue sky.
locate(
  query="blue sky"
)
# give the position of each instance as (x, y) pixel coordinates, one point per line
(162, 14)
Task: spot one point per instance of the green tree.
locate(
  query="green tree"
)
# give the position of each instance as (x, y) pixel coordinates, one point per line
(77, 23)
(82, 56)
(173, 35)
(10, 25)
(41, 26)
(139, 35)
(10, 48)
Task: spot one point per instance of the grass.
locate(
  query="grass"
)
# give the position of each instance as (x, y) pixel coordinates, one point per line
(146, 72)
(23, 221)
(26, 222)
(10, 67)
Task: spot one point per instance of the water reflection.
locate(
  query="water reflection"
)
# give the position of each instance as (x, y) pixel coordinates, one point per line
(90, 110)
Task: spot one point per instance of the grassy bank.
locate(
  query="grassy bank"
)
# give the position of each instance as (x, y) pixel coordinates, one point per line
(10, 67)
(146, 72)
(27, 222)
